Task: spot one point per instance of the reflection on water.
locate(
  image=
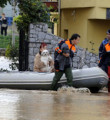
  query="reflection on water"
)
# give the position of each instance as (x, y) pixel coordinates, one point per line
(48, 105)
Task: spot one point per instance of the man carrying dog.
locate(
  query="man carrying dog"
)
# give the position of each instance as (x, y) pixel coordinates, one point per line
(64, 53)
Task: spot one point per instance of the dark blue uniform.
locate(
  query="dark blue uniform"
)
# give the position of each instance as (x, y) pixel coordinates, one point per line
(104, 42)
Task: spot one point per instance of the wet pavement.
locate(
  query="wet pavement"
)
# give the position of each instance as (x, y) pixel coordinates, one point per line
(49, 105)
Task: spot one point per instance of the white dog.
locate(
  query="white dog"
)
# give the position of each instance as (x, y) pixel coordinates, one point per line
(46, 58)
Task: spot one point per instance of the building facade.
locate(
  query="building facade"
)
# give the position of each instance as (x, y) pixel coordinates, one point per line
(54, 14)
(89, 18)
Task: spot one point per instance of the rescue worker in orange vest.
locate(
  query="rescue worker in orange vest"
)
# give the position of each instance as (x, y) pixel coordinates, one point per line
(64, 53)
(105, 60)
(104, 42)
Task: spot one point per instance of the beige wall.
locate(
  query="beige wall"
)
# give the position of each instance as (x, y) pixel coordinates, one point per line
(75, 20)
(84, 3)
(77, 3)
(90, 22)
(96, 32)
(55, 15)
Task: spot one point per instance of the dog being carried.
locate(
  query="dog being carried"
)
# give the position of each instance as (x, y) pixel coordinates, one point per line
(43, 62)
(46, 59)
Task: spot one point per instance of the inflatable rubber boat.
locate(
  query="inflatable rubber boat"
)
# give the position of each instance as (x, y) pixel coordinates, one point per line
(92, 78)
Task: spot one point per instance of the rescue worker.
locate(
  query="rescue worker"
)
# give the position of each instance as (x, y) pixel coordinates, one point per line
(104, 42)
(63, 59)
(105, 59)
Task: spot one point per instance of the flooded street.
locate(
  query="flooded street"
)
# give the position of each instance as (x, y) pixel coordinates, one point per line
(48, 105)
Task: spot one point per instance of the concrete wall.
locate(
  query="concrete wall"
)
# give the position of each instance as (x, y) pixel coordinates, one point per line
(39, 33)
(86, 17)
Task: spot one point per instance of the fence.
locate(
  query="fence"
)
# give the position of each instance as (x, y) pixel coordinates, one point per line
(6, 40)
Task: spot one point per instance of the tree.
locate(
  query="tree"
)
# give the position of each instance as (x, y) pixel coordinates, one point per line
(32, 11)
(3, 2)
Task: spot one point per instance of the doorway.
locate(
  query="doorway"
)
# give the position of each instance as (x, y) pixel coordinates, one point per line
(65, 33)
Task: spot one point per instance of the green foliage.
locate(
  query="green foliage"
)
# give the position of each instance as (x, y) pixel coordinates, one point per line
(6, 40)
(22, 22)
(3, 3)
(31, 11)
(12, 52)
(35, 9)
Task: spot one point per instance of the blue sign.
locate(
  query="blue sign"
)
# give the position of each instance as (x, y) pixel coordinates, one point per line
(9, 20)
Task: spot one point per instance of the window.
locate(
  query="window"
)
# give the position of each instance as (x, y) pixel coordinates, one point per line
(108, 13)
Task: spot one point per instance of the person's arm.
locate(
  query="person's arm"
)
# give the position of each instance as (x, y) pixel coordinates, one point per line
(58, 49)
(102, 57)
(5, 21)
(71, 54)
(101, 50)
(0, 20)
(66, 54)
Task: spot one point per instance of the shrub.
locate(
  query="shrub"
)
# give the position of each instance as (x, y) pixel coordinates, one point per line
(12, 52)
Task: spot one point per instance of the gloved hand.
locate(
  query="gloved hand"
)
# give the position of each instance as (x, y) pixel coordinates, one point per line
(71, 54)
(66, 54)
(99, 64)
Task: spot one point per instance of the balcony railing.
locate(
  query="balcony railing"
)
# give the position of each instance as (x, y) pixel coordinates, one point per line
(52, 3)
(49, 0)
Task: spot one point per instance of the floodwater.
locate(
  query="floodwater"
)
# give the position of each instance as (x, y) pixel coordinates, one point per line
(49, 105)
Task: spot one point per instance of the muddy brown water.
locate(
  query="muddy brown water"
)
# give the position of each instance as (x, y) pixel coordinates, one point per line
(49, 105)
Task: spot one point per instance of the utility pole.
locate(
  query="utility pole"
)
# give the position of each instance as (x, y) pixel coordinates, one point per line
(13, 24)
(59, 11)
